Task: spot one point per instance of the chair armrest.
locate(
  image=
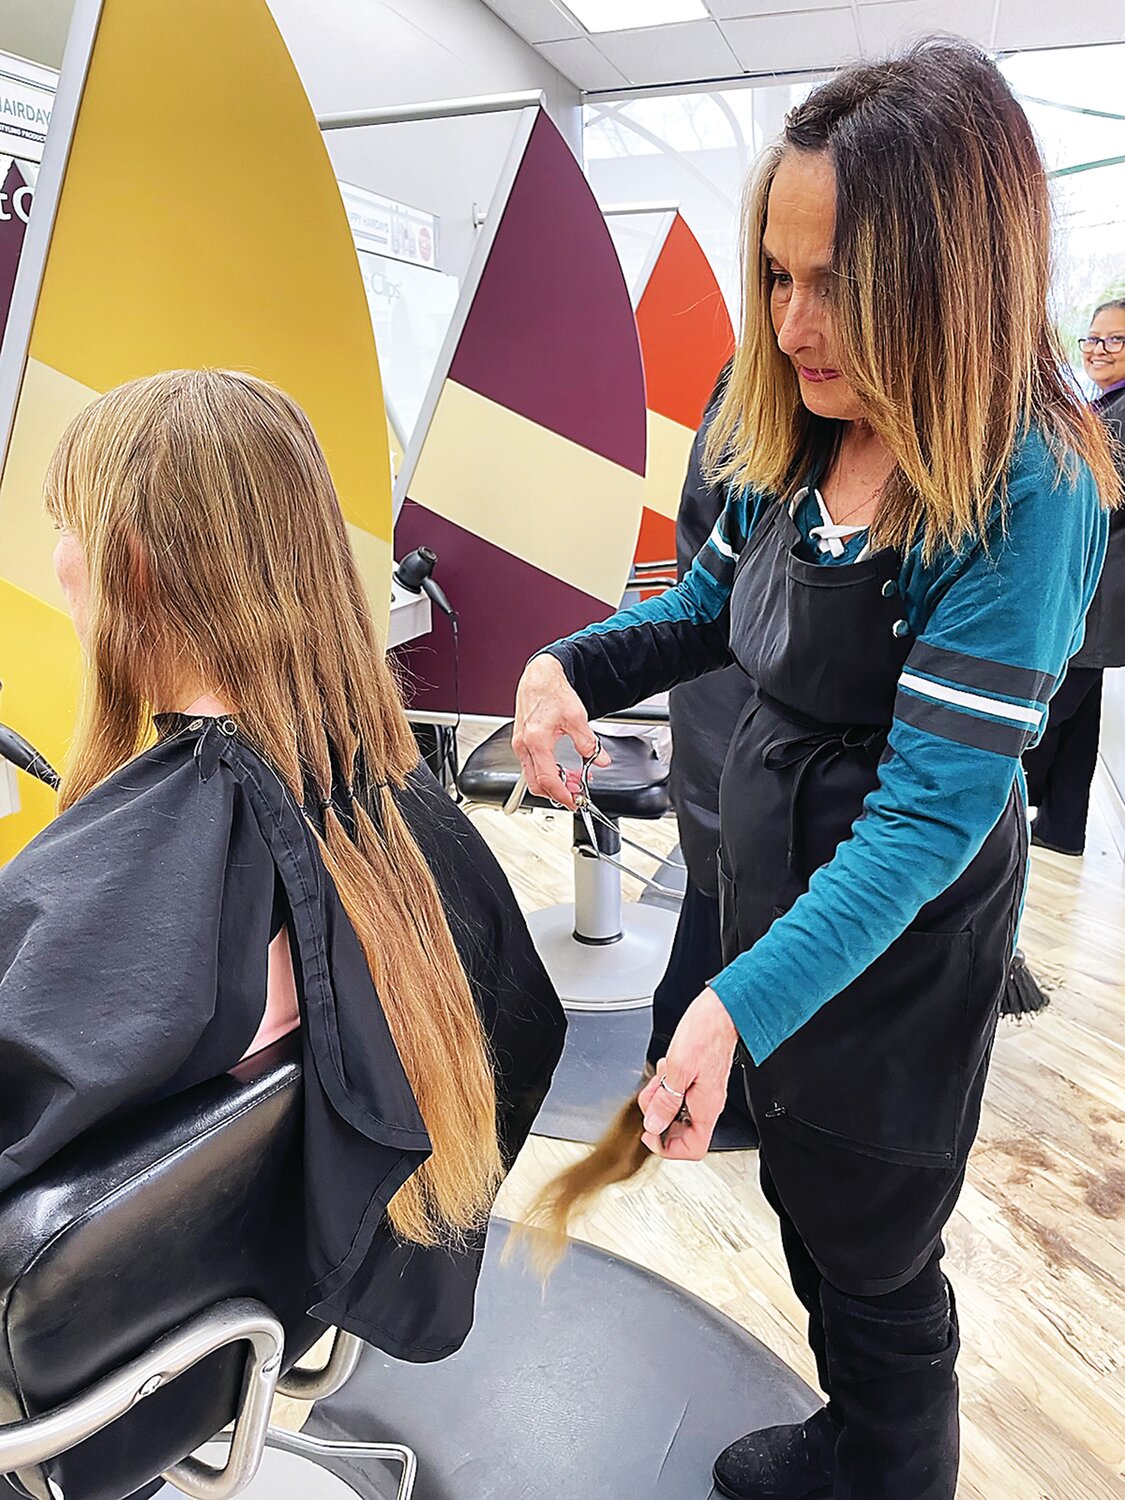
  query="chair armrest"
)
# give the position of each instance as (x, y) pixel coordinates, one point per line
(652, 711)
(314, 1385)
(36, 1440)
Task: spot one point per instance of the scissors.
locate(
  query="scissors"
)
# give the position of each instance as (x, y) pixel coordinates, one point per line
(582, 797)
(582, 800)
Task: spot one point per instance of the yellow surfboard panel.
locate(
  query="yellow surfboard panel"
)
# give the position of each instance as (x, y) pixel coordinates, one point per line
(199, 224)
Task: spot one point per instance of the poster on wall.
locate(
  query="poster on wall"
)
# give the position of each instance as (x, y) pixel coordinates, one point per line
(15, 209)
(27, 96)
(410, 300)
(383, 227)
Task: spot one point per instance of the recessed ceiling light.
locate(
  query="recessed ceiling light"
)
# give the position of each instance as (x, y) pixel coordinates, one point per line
(627, 15)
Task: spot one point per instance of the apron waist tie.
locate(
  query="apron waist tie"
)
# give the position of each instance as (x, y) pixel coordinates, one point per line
(806, 747)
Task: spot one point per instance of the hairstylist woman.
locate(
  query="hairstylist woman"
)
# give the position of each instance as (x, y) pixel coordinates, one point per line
(872, 817)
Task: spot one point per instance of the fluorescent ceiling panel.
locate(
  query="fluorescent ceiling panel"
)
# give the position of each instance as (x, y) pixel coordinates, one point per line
(624, 15)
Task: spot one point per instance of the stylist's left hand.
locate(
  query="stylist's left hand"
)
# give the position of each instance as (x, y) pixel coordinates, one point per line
(698, 1066)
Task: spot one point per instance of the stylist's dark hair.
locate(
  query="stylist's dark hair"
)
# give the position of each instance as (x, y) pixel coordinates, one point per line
(1114, 304)
(941, 259)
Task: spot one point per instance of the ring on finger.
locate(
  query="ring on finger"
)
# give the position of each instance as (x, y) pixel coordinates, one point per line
(674, 1092)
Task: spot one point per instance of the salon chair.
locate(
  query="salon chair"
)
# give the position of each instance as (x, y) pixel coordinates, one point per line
(153, 1281)
(602, 953)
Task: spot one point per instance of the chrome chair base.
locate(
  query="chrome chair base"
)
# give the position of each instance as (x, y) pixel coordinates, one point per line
(616, 975)
(278, 1479)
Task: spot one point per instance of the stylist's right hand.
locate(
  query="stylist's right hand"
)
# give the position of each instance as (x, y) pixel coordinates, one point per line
(547, 708)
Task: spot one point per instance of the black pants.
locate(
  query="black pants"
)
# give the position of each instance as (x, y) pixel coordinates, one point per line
(1061, 767)
(887, 1367)
(695, 959)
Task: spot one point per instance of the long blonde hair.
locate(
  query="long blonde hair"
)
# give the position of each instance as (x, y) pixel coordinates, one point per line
(218, 556)
(941, 266)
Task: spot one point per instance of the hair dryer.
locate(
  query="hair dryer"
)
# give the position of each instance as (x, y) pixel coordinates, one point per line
(14, 748)
(415, 572)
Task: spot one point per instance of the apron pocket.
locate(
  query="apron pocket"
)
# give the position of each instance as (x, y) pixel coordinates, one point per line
(880, 1067)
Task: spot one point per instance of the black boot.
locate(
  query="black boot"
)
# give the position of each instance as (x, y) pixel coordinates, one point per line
(780, 1463)
(893, 1367)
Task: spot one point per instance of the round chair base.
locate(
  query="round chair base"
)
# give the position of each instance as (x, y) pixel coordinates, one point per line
(605, 976)
(601, 1068)
(609, 1384)
(296, 1467)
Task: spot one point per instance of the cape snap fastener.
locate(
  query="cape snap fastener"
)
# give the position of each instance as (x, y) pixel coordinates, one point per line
(228, 726)
(899, 629)
(196, 724)
(889, 589)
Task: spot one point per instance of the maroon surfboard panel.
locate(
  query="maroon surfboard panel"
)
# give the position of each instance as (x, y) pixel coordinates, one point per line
(551, 336)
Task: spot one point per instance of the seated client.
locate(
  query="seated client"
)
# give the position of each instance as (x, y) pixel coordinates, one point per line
(247, 842)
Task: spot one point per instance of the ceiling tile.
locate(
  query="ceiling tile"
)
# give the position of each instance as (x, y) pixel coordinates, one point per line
(670, 54)
(725, 10)
(889, 26)
(1052, 23)
(583, 64)
(536, 20)
(789, 43)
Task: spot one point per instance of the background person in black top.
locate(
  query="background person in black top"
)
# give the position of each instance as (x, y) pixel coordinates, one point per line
(1060, 769)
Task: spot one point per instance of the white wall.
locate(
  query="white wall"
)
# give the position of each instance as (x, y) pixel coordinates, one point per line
(35, 29)
(356, 54)
(1113, 744)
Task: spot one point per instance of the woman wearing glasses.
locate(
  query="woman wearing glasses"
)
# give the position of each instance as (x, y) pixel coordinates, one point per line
(1060, 769)
(913, 534)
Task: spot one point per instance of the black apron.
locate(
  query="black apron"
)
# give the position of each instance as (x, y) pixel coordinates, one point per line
(866, 1113)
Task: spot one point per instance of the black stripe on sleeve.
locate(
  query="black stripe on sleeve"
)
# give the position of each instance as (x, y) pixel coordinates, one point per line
(716, 564)
(966, 729)
(987, 676)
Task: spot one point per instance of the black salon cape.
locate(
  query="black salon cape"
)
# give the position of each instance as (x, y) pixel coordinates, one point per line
(133, 952)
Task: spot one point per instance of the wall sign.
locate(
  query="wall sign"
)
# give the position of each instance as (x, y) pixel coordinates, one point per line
(27, 95)
(383, 227)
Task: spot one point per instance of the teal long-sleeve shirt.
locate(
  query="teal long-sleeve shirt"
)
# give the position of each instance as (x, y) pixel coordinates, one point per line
(994, 625)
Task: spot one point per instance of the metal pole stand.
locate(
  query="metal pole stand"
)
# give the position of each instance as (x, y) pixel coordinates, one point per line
(601, 952)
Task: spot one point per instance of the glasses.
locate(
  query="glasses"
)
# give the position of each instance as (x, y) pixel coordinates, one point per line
(1113, 343)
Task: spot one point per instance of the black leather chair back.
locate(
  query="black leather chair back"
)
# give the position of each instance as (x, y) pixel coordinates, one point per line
(130, 1232)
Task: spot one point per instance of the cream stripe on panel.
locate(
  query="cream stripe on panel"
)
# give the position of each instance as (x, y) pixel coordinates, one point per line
(669, 445)
(47, 403)
(582, 527)
(374, 559)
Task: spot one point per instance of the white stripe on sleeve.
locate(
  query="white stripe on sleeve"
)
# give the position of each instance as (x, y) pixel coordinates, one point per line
(994, 706)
